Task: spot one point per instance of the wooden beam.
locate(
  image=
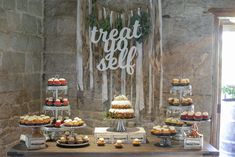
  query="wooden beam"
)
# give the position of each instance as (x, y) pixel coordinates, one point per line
(223, 12)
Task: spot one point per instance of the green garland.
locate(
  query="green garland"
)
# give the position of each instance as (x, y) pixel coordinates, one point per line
(105, 24)
(118, 23)
(145, 24)
(143, 18)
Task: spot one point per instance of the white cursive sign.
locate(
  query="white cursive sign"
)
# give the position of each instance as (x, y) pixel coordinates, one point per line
(114, 42)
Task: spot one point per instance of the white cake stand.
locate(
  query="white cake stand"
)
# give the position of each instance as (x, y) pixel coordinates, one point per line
(119, 125)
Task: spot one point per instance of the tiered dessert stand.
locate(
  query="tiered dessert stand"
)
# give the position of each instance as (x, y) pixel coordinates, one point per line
(175, 111)
(53, 132)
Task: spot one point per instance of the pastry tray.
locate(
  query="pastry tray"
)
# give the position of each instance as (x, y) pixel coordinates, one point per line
(71, 145)
(164, 135)
(73, 127)
(33, 126)
(208, 120)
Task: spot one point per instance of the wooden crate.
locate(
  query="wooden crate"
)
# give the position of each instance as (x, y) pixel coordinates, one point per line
(35, 142)
(126, 137)
(193, 143)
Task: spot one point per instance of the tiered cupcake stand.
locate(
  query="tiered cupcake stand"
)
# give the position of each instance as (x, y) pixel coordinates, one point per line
(175, 111)
(52, 133)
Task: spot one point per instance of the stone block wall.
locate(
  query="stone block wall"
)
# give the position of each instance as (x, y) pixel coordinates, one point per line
(21, 47)
(60, 43)
(187, 48)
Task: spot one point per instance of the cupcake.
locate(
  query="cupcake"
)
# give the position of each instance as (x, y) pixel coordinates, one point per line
(187, 81)
(85, 138)
(46, 100)
(118, 144)
(175, 82)
(186, 101)
(156, 130)
(67, 133)
(49, 101)
(65, 101)
(174, 122)
(62, 139)
(190, 116)
(183, 82)
(71, 140)
(57, 102)
(184, 115)
(172, 130)
(50, 81)
(176, 102)
(170, 101)
(205, 116)
(136, 142)
(79, 140)
(168, 121)
(68, 122)
(63, 82)
(58, 123)
(198, 116)
(56, 82)
(101, 142)
(190, 101)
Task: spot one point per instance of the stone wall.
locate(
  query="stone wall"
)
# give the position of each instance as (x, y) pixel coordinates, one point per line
(21, 46)
(187, 48)
(60, 49)
(60, 42)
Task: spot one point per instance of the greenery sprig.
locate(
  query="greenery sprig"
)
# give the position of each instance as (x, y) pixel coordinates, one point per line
(145, 24)
(143, 18)
(229, 90)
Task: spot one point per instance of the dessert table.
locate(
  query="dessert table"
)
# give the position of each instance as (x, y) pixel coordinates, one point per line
(109, 150)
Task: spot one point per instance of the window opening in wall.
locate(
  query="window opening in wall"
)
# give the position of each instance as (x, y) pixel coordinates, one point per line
(227, 118)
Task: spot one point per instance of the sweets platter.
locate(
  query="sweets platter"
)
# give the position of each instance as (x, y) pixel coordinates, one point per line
(71, 145)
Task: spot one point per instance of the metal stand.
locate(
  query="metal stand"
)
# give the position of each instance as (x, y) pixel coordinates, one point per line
(36, 132)
(164, 142)
(35, 140)
(174, 111)
(120, 126)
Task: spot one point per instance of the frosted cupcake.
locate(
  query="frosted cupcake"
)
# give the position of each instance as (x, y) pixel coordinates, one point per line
(63, 82)
(198, 116)
(56, 82)
(205, 116)
(50, 81)
(190, 115)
